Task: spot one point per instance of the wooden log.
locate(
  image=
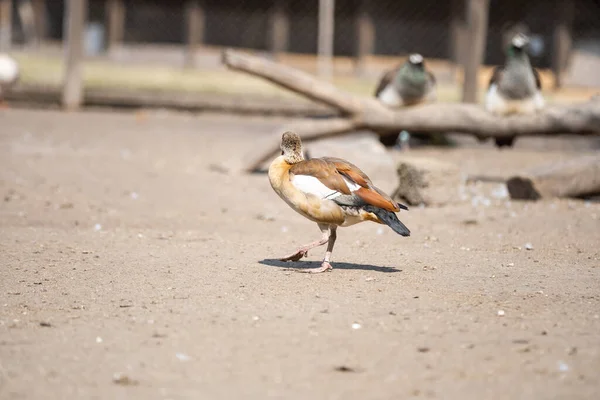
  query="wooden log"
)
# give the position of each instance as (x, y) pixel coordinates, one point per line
(75, 16)
(576, 177)
(475, 53)
(427, 181)
(368, 113)
(294, 80)
(279, 28)
(6, 7)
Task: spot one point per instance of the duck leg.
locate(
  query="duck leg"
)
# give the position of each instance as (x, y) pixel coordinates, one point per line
(303, 251)
(325, 266)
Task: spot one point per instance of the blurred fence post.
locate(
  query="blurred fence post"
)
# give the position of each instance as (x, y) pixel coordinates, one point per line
(115, 24)
(74, 19)
(5, 24)
(40, 15)
(474, 55)
(279, 27)
(365, 36)
(458, 31)
(194, 15)
(325, 40)
(562, 40)
(26, 14)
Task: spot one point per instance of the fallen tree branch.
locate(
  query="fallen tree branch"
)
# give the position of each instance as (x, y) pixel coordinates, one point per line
(368, 113)
(294, 80)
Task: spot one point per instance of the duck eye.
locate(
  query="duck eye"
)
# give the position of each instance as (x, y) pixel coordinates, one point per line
(281, 152)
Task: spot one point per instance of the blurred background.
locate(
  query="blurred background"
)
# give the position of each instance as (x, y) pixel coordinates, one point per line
(166, 53)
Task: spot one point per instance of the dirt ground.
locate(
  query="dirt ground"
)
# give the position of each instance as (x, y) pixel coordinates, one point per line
(132, 269)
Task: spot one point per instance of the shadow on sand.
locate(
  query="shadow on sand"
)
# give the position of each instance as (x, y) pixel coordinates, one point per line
(300, 265)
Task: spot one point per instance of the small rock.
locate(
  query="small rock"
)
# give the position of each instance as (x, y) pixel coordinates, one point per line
(65, 206)
(369, 279)
(122, 379)
(356, 326)
(263, 217)
(572, 351)
(344, 368)
(470, 222)
(98, 339)
(380, 231)
(520, 341)
(501, 313)
(97, 227)
(255, 318)
(510, 264)
(134, 195)
(528, 246)
(220, 168)
(45, 324)
(423, 349)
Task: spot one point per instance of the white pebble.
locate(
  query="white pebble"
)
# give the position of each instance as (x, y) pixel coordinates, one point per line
(97, 227)
(182, 357)
(501, 313)
(528, 246)
(563, 367)
(98, 339)
(134, 195)
(255, 318)
(380, 231)
(356, 326)
(284, 229)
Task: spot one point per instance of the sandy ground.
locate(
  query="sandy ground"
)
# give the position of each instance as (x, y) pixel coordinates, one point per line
(131, 269)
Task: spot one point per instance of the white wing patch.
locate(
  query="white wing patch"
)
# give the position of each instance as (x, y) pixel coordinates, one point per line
(351, 185)
(389, 96)
(310, 184)
(497, 104)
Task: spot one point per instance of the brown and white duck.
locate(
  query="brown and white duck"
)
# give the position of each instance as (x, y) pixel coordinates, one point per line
(331, 192)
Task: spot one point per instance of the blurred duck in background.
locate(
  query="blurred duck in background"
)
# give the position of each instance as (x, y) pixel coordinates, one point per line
(515, 87)
(406, 85)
